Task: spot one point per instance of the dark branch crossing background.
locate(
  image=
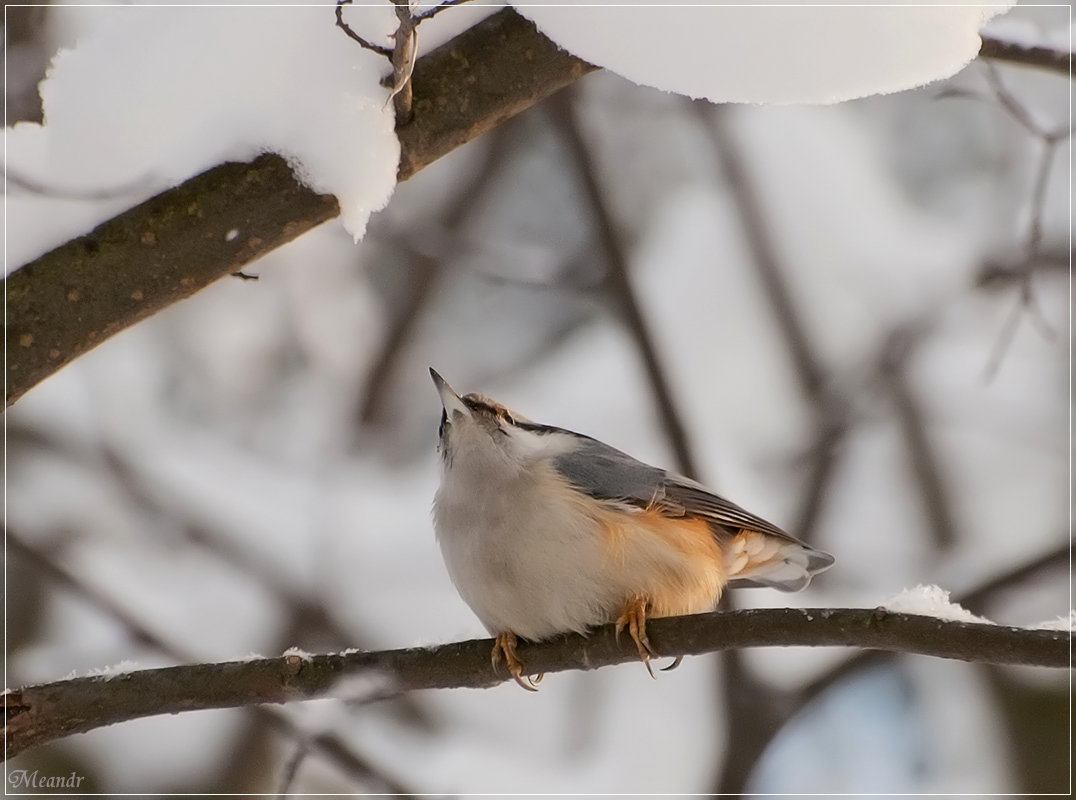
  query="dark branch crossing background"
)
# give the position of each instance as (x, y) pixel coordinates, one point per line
(850, 319)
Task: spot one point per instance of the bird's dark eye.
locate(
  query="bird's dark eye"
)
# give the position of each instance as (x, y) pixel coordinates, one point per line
(509, 418)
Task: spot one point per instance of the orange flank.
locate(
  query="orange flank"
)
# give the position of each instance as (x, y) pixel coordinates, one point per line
(677, 564)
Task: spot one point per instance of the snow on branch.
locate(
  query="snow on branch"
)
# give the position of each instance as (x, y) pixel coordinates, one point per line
(39, 714)
(71, 299)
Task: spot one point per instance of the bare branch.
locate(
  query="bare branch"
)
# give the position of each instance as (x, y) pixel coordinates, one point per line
(326, 745)
(381, 50)
(791, 703)
(1059, 61)
(291, 769)
(1032, 245)
(924, 459)
(39, 714)
(973, 599)
(71, 299)
(429, 13)
(404, 54)
(976, 599)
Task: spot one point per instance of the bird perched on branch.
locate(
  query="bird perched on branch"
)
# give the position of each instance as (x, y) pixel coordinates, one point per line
(546, 531)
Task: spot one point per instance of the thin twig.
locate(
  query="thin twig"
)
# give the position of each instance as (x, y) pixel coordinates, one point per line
(291, 769)
(897, 350)
(381, 50)
(433, 11)
(1012, 106)
(404, 55)
(135, 186)
(1005, 338)
(977, 598)
(1032, 244)
(1001, 273)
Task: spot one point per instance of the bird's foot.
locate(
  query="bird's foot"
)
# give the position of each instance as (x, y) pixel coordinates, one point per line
(504, 649)
(634, 619)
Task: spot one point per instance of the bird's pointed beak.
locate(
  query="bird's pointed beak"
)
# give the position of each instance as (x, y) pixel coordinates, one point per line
(449, 399)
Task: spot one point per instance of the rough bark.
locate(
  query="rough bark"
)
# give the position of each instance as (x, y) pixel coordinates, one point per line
(39, 714)
(73, 298)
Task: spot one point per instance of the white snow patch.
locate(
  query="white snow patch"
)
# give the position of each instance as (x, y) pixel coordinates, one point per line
(793, 53)
(1060, 624)
(296, 651)
(159, 94)
(931, 601)
(119, 668)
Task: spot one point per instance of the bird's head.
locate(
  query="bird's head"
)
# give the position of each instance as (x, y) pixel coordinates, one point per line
(482, 434)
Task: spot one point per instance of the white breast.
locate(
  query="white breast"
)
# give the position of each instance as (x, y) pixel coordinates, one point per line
(521, 554)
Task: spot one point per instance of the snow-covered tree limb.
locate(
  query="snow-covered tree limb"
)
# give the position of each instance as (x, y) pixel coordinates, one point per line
(73, 298)
(39, 714)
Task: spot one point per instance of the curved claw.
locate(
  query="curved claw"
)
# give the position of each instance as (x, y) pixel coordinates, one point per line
(504, 649)
(649, 669)
(634, 619)
(676, 663)
(526, 683)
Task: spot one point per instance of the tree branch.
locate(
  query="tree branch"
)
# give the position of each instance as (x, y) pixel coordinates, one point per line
(1029, 56)
(328, 745)
(73, 298)
(39, 714)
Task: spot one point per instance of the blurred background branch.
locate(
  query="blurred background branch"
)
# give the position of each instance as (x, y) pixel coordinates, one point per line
(793, 304)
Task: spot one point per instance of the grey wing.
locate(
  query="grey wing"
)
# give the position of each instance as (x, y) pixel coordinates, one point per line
(701, 502)
(605, 473)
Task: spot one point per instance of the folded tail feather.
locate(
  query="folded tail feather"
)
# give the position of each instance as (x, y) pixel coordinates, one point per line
(762, 559)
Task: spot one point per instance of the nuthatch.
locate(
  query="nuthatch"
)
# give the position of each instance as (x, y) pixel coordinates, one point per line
(546, 531)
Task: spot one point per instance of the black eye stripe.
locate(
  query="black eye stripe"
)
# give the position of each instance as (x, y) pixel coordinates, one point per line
(483, 406)
(479, 405)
